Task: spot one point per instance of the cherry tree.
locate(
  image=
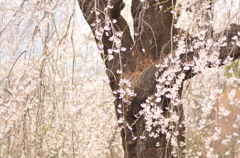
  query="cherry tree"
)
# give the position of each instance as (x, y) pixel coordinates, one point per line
(147, 68)
(173, 76)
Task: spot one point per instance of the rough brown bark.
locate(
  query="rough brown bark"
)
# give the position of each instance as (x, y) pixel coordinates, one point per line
(151, 44)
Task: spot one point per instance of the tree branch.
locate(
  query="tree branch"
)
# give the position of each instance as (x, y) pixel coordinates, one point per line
(112, 36)
(153, 33)
(231, 51)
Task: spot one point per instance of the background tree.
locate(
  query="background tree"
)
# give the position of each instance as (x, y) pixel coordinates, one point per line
(46, 105)
(147, 72)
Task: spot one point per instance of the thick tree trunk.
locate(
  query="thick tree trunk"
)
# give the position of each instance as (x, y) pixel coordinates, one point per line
(133, 62)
